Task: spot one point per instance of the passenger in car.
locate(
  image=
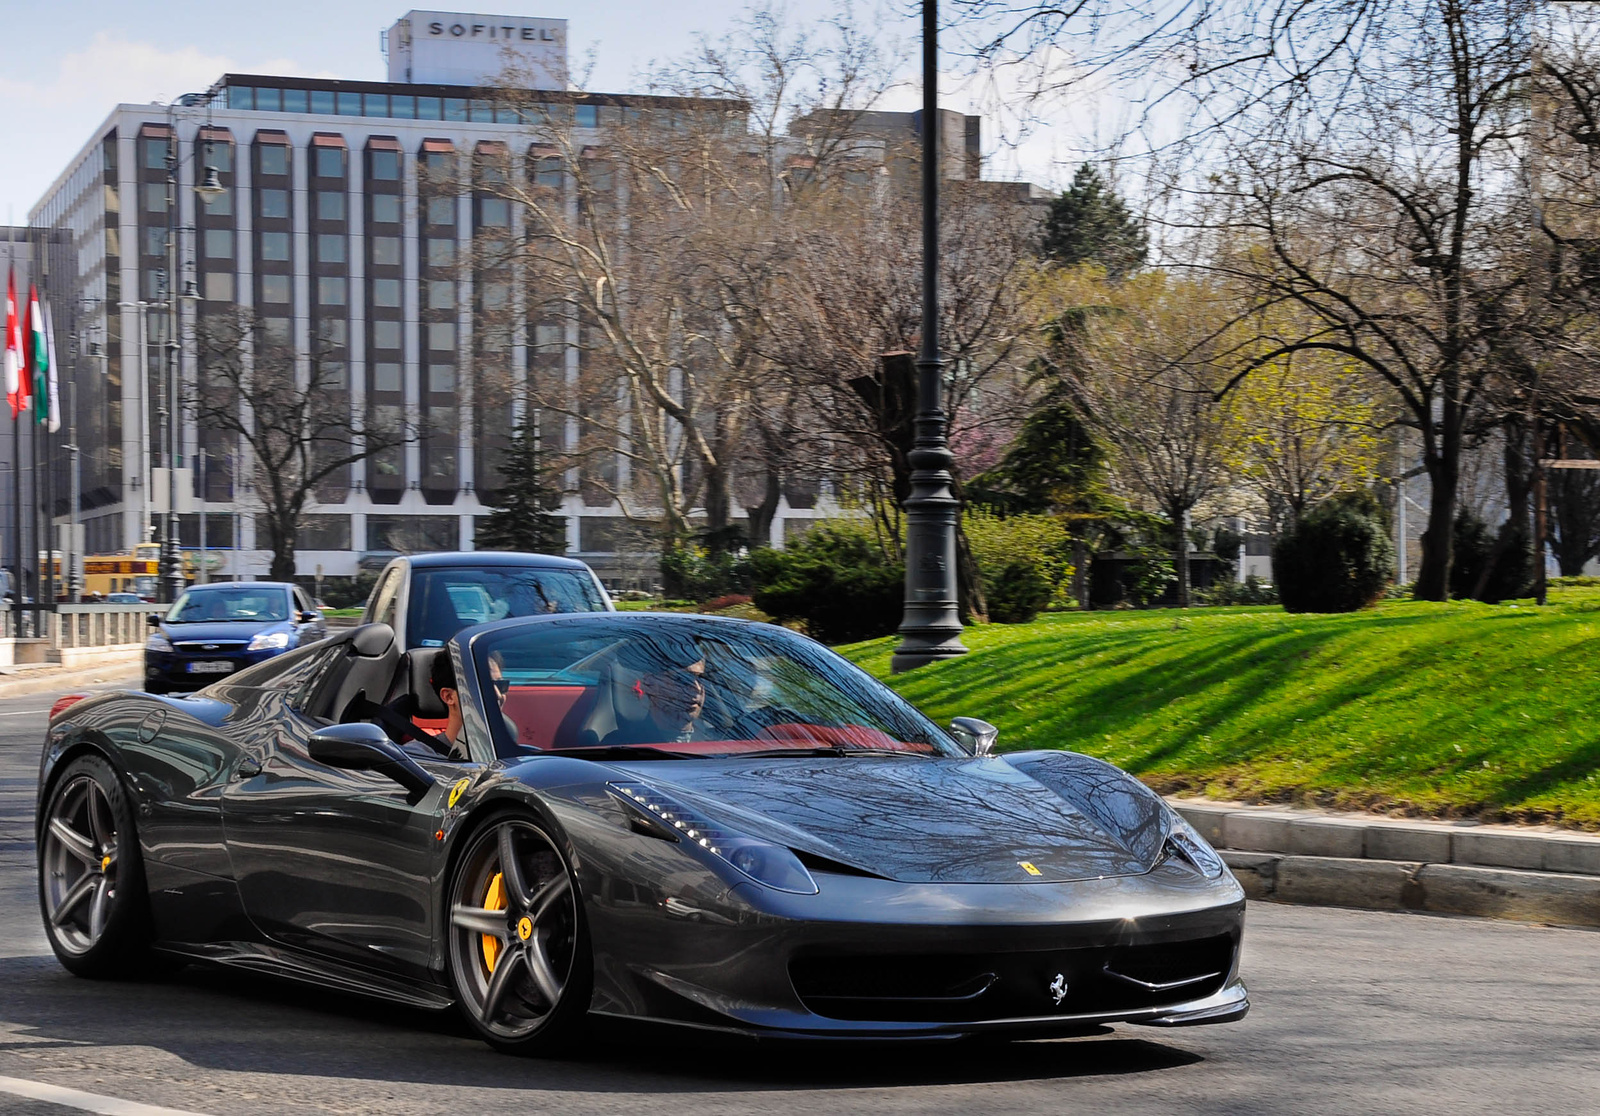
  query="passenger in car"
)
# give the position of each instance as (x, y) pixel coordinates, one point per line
(442, 677)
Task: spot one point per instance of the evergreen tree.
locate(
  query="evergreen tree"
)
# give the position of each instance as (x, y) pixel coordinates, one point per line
(522, 521)
(1088, 222)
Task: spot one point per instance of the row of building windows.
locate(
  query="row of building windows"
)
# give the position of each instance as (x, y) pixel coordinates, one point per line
(407, 106)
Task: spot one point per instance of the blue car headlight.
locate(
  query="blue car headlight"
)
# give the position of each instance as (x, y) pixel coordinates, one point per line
(1186, 843)
(768, 864)
(157, 642)
(268, 641)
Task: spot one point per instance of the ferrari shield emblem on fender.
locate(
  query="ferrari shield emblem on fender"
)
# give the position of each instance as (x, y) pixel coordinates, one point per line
(1058, 988)
(457, 791)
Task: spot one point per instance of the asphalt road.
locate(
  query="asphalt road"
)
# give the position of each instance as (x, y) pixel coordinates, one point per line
(1355, 1012)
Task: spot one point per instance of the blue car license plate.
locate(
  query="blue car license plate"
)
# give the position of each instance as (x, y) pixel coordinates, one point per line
(213, 667)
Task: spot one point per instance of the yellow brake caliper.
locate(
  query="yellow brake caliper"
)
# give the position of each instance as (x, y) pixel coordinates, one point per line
(495, 900)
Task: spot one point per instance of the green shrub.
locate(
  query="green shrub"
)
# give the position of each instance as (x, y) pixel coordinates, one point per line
(835, 580)
(1337, 558)
(1251, 591)
(1018, 593)
(999, 542)
(1511, 575)
(695, 574)
(1147, 580)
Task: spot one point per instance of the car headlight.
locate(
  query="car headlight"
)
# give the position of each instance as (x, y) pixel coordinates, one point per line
(1182, 839)
(157, 642)
(771, 865)
(268, 641)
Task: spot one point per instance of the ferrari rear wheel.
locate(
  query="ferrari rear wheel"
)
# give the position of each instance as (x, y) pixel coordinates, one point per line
(519, 951)
(91, 881)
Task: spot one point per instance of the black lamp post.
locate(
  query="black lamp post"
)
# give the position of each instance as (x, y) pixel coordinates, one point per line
(931, 627)
(209, 188)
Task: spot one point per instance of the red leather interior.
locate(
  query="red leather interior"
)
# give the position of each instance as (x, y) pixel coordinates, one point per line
(550, 716)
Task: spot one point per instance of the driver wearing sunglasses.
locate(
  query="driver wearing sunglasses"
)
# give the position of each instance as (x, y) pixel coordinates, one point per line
(672, 684)
(502, 687)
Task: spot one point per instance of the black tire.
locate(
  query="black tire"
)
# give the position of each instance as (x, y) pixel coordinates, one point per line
(91, 878)
(535, 938)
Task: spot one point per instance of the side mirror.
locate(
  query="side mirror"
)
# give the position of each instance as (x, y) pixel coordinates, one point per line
(310, 617)
(365, 747)
(976, 736)
(153, 619)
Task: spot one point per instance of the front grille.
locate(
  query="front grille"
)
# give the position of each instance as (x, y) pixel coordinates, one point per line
(962, 988)
(210, 647)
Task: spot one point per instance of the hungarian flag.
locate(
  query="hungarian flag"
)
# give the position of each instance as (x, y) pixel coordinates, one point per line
(52, 417)
(36, 385)
(14, 361)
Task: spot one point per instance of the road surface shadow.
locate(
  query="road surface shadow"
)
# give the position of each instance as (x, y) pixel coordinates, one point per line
(244, 1022)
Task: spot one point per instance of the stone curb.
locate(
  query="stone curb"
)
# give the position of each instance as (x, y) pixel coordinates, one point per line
(1356, 837)
(1395, 885)
(44, 680)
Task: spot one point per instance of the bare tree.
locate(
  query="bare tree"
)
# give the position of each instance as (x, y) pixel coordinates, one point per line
(294, 419)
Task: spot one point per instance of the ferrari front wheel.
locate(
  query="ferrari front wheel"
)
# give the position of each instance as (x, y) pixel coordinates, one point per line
(518, 947)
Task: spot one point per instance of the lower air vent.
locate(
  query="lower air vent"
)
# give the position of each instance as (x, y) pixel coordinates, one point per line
(961, 988)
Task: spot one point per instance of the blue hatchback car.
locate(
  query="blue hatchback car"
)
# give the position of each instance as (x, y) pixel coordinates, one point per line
(215, 630)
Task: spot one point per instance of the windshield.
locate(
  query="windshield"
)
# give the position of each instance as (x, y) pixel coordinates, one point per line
(687, 686)
(233, 602)
(445, 600)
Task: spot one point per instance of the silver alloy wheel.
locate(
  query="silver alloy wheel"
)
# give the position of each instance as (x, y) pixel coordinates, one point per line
(80, 864)
(513, 961)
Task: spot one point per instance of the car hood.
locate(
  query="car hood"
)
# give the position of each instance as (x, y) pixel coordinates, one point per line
(914, 820)
(219, 631)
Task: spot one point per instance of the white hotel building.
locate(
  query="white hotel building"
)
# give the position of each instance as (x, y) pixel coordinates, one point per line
(323, 234)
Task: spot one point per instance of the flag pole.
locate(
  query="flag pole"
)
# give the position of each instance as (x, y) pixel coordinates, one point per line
(16, 438)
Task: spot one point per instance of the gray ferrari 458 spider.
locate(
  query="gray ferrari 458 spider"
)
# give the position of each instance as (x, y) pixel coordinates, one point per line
(683, 819)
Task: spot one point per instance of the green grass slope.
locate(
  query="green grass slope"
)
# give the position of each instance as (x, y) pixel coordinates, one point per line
(1441, 709)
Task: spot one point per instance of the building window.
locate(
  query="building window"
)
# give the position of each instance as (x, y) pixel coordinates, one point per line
(495, 212)
(348, 104)
(323, 532)
(402, 106)
(275, 330)
(275, 246)
(274, 158)
(441, 252)
(294, 100)
(275, 288)
(322, 102)
(241, 97)
(385, 376)
(441, 294)
(428, 108)
(549, 172)
(386, 251)
(274, 203)
(386, 165)
(495, 296)
(219, 244)
(330, 162)
(442, 337)
(330, 205)
(441, 211)
(386, 292)
(334, 332)
(330, 247)
(385, 335)
(155, 154)
(442, 378)
(586, 116)
(221, 205)
(219, 286)
(155, 240)
(386, 209)
(330, 290)
(375, 104)
(155, 197)
(219, 155)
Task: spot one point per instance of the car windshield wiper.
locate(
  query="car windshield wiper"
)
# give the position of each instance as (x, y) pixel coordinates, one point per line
(621, 751)
(823, 750)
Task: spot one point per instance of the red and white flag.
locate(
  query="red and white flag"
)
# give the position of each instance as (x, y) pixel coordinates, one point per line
(14, 361)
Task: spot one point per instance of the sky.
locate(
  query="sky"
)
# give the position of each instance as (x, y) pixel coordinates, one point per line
(70, 61)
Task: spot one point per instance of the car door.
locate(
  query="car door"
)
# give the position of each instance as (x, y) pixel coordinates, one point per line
(333, 861)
